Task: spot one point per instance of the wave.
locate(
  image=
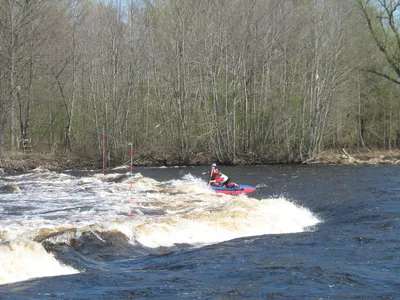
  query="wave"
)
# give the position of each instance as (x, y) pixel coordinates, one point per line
(84, 220)
(24, 260)
(188, 221)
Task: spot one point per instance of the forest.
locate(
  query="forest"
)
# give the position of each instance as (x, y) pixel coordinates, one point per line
(174, 80)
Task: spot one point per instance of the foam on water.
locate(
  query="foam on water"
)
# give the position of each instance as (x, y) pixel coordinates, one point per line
(225, 220)
(151, 213)
(24, 260)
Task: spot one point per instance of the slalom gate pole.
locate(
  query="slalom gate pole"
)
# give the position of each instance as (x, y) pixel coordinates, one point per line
(131, 168)
(103, 150)
(131, 174)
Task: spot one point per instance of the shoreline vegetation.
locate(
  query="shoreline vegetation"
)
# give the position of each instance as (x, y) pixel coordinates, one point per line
(194, 82)
(25, 162)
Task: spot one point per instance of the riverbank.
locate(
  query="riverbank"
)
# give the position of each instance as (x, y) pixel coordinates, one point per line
(357, 157)
(22, 162)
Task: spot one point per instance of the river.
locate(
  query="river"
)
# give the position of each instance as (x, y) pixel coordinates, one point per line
(308, 232)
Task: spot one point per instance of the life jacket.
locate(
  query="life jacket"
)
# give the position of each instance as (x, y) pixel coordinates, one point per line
(214, 173)
(221, 178)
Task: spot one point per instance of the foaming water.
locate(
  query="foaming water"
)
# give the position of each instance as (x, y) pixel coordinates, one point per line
(61, 208)
(224, 219)
(332, 232)
(24, 260)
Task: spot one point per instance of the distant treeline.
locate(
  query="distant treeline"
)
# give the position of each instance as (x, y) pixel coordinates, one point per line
(278, 80)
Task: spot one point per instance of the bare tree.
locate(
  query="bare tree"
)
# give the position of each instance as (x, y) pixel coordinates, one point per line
(383, 24)
(18, 18)
(64, 68)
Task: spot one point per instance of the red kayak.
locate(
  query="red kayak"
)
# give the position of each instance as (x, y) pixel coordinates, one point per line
(242, 189)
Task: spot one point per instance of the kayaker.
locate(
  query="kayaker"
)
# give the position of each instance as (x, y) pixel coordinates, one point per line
(220, 179)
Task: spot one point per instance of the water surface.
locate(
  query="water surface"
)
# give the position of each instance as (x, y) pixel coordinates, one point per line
(308, 232)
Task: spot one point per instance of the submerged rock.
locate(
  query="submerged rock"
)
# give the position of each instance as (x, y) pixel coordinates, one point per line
(9, 188)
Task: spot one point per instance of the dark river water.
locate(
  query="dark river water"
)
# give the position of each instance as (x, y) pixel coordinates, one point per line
(307, 232)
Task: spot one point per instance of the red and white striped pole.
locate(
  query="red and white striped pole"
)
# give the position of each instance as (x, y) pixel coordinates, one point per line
(131, 174)
(103, 150)
(131, 168)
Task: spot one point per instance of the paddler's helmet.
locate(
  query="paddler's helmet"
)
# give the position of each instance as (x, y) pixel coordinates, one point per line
(214, 165)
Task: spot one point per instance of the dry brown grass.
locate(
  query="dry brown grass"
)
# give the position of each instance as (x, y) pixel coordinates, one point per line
(358, 157)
